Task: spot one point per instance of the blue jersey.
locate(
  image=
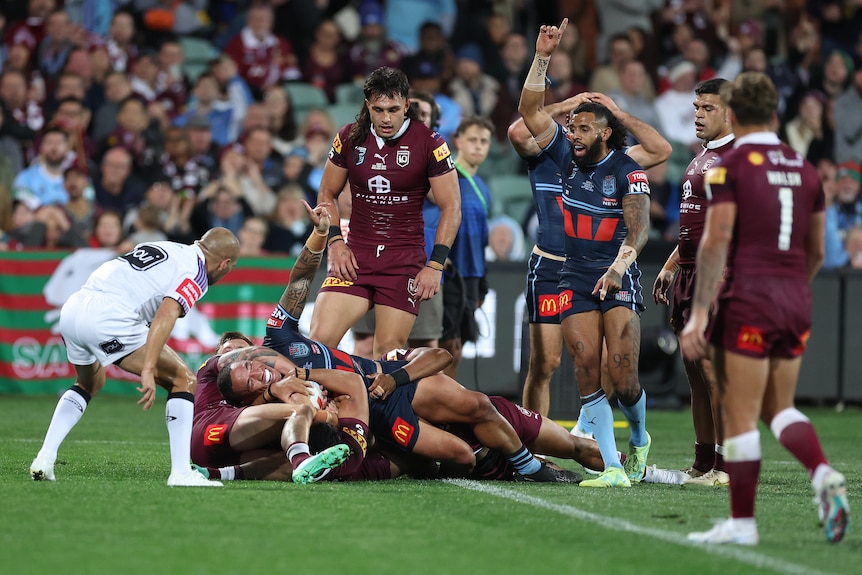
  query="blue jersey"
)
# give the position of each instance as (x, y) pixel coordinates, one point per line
(546, 180)
(468, 249)
(592, 204)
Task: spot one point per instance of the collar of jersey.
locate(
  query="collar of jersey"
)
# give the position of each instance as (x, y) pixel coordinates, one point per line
(397, 135)
(713, 144)
(757, 138)
(605, 159)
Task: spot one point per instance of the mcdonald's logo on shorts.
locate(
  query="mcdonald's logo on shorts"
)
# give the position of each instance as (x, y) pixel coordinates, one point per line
(750, 339)
(549, 305)
(402, 432)
(214, 434)
(803, 343)
(565, 300)
(335, 282)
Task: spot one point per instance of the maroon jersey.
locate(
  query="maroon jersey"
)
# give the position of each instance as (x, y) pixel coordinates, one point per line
(389, 182)
(775, 191)
(265, 62)
(207, 394)
(693, 203)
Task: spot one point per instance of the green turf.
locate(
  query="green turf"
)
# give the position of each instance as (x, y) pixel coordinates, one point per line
(110, 512)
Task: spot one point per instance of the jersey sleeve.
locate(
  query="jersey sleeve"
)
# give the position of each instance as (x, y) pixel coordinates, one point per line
(338, 151)
(440, 160)
(559, 148)
(718, 183)
(188, 288)
(635, 179)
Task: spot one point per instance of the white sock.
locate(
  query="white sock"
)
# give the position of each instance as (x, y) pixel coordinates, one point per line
(819, 474)
(179, 412)
(227, 473)
(67, 414)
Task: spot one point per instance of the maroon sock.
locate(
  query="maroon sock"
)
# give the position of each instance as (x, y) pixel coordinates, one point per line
(743, 487)
(239, 474)
(214, 472)
(800, 439)
(704, 456)
(719, 462)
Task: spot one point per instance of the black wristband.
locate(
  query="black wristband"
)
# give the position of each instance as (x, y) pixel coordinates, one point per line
(334, 231)
(400, 376)
(269, 391)
(439, 254)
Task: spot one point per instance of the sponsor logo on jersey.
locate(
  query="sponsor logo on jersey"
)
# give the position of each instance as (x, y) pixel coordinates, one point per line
(357, 436)
(755, 158)
(803, 343)
(638, 182)
(381, 165)
(214, 434)
(112, 346)
(276, 319)
(588, 186)
(379, 185)
(778, 158)
(716, 175)
(549, 305)
(609, 186)
(750, 339)
(442, 152)
(145, 256)
(335, 282)
(402, 432)
(527, 412)
(565, 300)
(190, 291)
(359, 155)
(402, 158)
(686, 190)
(707, 164)
(336, 144)
(298, 349)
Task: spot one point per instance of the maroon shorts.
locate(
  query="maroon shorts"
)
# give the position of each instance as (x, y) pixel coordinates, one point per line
(683, 293)
(763, 317)
(525, 421)
(375, 467)
(385, 279)
(211, 436)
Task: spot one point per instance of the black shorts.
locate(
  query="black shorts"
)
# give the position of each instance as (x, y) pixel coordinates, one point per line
(393, 421)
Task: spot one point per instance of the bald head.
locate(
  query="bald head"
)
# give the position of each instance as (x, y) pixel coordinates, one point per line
(221, 249)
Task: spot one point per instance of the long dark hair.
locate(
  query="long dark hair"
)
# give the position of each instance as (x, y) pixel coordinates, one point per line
(617, 141)
(383, 81)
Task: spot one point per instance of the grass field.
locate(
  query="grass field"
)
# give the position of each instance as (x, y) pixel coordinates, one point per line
(110, 512)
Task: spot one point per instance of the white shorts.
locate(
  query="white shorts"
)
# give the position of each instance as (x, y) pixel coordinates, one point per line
(95, 327)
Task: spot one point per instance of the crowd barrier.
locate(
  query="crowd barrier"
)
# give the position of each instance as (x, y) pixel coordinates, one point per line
(33, 286)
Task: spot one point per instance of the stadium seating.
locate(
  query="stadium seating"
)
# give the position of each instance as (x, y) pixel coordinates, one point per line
(343, 113)
(305, 96)
(511, 195)
(349, 94)
(197, 52)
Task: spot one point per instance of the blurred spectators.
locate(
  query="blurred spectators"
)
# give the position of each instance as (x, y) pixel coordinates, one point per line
(207, 105)
(41, 184)
(251, 236)
(505, 240)
(843, 211)
(282, 117)
(372, 49)
(848, 119)
(327, 65)
(115, 187)
(289, 224)
(122, 49)
(477, 93)
(222, 208)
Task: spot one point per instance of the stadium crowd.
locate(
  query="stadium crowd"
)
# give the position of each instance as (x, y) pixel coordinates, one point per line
(117, 129)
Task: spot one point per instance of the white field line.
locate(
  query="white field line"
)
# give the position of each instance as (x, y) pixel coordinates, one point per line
(736, 553)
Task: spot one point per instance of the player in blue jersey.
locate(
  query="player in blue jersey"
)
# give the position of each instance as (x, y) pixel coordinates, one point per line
(549, 253)
(606, 220)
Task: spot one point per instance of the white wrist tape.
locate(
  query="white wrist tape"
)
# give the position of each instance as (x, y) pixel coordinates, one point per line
(536, 80)
(626, 257)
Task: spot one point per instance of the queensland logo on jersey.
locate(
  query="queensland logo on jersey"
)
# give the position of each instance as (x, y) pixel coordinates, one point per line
(333, 281)
(381, 165)
(145, 256)
(609, 186)
(276, 319)
(214, 434)
(707, 165)
(190, 291)
(442, 152)
(336, 144)
(755, 158)
(638, 182)
(298, 349)
(750, 339)
(402, 158)
(379, 185)
(359, 155)
(402, 432)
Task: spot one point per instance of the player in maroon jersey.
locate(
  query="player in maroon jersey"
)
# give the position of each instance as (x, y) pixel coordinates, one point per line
(391, 160)
(766, 224)
(712, 127)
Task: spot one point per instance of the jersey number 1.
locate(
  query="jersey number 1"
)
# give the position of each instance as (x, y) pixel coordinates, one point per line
(785, 226)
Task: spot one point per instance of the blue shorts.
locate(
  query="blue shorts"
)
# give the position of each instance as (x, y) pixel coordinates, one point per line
(543, 293)
(576, 292)
(393, 421)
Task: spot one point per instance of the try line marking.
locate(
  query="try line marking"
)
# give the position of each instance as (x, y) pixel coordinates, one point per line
(728, 551)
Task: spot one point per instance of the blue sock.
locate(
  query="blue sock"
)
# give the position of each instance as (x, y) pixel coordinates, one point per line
(583, 424)
(524, 462)
(636, 414)
(601, 419)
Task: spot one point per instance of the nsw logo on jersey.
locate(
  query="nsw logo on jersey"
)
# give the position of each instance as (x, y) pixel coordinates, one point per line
(609, 186)
(298, 349)
(145, 256)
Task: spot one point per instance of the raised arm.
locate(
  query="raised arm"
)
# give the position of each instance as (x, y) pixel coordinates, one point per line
(521, 138)
(540, 124)
(307, 263)
(652, 148)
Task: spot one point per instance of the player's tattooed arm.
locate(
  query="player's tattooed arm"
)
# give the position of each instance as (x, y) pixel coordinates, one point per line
(636, 217)
(295, 295)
